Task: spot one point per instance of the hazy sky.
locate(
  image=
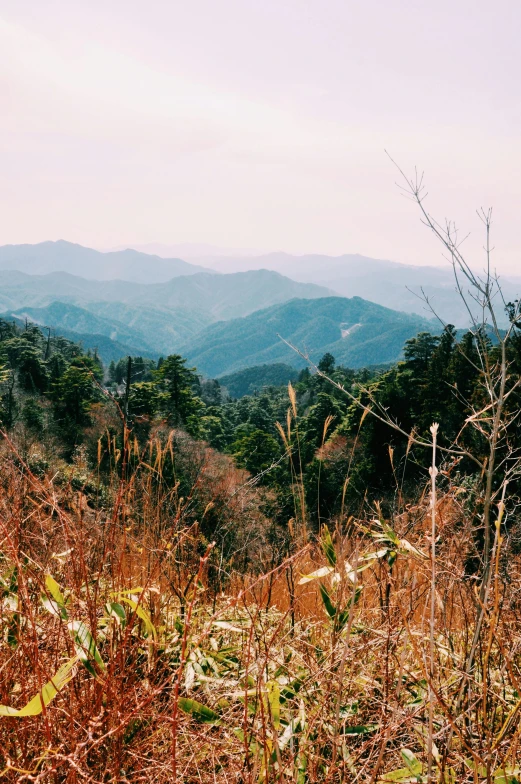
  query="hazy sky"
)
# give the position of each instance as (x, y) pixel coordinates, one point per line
(259, 123)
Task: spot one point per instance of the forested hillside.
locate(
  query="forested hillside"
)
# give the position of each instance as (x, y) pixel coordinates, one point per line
(254, 379)
(358, 333)
(220, 296)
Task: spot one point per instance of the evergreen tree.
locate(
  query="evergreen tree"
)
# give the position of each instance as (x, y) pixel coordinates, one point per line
(177, 398)
(256, 452)
(111, 373)
(327, 364)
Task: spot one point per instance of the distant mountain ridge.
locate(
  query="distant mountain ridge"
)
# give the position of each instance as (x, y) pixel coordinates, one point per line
(62, 256)
(389, 283)
(358, 333)
(219, 296)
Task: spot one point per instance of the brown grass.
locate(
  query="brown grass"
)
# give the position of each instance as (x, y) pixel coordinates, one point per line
(289, 692)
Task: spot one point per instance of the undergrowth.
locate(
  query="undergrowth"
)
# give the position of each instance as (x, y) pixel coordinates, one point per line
(136, 650)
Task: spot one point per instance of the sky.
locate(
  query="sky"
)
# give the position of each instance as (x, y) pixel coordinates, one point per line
(260, 123)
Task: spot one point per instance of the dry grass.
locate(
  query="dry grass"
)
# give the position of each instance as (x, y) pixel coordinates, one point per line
(256, 677)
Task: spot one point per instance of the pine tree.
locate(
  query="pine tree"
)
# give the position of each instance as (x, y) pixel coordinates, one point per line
(177, 398)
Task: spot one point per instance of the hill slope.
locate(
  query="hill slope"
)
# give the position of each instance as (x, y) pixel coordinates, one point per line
(106, 348)
(64, 317)
(358, 333)
(251, 380)
(227, 296)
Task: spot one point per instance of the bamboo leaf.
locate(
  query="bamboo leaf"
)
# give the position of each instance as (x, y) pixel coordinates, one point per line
(412, 762)
(302, 764)
(54, 589)
(273, 689)
(35, 706)
(361, 729)
(56, 603)
(86, 648)
(322, 572)
(326, 599)
(116, 610)
(141, 613)
(401, 774)
(198, 711)
(289, 731)
(411, 773)
(406, 545)
(227, 625)
(507, 775)
(328, 547)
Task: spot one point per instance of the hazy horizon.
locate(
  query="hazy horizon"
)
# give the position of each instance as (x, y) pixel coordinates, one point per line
(247, 125)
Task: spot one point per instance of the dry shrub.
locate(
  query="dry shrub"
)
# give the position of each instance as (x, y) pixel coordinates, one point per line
(178, 674)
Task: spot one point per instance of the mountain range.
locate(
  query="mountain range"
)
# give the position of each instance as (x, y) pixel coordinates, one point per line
(147, 319)
(231, 317)
(399, 286)
(62, 256)
(210, 296)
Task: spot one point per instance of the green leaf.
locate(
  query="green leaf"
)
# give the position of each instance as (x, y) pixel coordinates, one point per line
(361, 729)
(480, 769)
(128, 591)
(198, 711)
(86, 648)
(328, 547)
(302, 764)
(401, 774)
(392, 556)
(507, 776)
(411, 761)
(48, 693)
(13, 630)
(412, 773)
(115, 609)
(328, 604)
(141, 613)
(56, 603)
(54, 589)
